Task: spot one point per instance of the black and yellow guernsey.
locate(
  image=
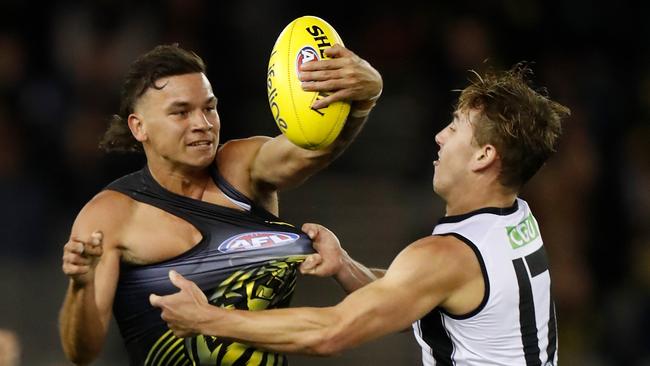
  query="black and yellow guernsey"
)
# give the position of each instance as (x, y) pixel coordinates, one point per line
(246, 260)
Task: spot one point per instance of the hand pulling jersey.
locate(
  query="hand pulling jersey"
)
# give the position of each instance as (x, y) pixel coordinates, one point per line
(515, 322)
(246, 260)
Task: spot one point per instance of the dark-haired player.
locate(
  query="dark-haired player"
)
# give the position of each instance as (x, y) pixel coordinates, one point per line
(204, 210)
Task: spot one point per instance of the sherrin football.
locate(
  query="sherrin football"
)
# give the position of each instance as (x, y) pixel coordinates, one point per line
(305, 39)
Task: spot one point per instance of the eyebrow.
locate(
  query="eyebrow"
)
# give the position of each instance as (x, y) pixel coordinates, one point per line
(183, 104)
(178, 104)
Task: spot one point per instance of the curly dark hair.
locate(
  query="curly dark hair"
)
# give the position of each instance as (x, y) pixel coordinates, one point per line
(523, 124)
(162, 61)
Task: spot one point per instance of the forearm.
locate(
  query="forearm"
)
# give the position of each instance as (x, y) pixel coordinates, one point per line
(298, 330)
(367, 314)
(354, 275)
(316, 160)
(279, 164)
(353, 125)
(81, 329)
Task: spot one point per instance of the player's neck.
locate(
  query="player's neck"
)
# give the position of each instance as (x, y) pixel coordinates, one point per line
(479, 197)
(186, 182)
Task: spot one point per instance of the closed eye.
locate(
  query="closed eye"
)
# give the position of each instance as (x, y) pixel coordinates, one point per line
(452, 124)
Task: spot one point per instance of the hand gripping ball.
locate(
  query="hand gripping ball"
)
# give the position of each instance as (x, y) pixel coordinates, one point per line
(303, 40)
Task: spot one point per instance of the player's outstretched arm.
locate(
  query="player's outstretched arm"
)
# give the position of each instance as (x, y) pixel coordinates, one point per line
(91, 262)
(428, 273)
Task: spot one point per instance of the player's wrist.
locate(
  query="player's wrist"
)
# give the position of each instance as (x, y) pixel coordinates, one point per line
(79, 284)
(360, 112)
(346, 267)
(205, 318)
(362, 108)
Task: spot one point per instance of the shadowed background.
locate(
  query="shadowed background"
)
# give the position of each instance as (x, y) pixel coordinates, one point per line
(60, 72)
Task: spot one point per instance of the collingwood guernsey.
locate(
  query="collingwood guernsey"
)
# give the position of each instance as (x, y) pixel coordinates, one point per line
(515, 322)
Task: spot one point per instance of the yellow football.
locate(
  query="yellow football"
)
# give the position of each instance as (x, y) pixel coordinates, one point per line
(304, 39)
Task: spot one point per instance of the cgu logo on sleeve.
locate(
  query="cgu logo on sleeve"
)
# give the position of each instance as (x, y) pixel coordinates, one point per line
(257, 240)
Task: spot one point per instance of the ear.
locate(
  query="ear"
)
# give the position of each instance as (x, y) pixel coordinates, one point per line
(484, 157)
(137, 127)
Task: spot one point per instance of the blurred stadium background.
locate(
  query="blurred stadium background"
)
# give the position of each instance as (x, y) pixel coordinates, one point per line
(60, 67)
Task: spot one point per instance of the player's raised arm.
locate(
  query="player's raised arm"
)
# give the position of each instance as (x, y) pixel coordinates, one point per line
(281, 164)
(320, 94)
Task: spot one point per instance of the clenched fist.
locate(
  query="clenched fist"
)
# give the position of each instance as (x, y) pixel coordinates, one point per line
(80, 257)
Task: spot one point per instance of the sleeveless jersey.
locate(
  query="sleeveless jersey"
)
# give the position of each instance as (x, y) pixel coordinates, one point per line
(515, 322)
(245, 260)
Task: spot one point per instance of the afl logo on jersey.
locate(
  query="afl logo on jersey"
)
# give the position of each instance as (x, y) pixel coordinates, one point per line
(257, 240)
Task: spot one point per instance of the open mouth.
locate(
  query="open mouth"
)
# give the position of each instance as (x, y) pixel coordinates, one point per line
(200, 143)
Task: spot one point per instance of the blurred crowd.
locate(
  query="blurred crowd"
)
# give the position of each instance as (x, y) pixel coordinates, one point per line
(60, 72)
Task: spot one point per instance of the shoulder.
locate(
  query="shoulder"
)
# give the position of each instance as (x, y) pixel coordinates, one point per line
(248, 147)
(107, 200)
(237, 156)
(441, 247)
(108, 212)
(441, 260)
(235, 160)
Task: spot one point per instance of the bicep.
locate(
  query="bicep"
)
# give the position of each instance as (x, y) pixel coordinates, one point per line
(389, 304)
(422, 277)
(101, 214)
(281, 164)
(375, 310)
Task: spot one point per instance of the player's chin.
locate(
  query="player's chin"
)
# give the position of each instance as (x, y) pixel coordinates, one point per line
(201, 157)
(209, 149)
(436, 185)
